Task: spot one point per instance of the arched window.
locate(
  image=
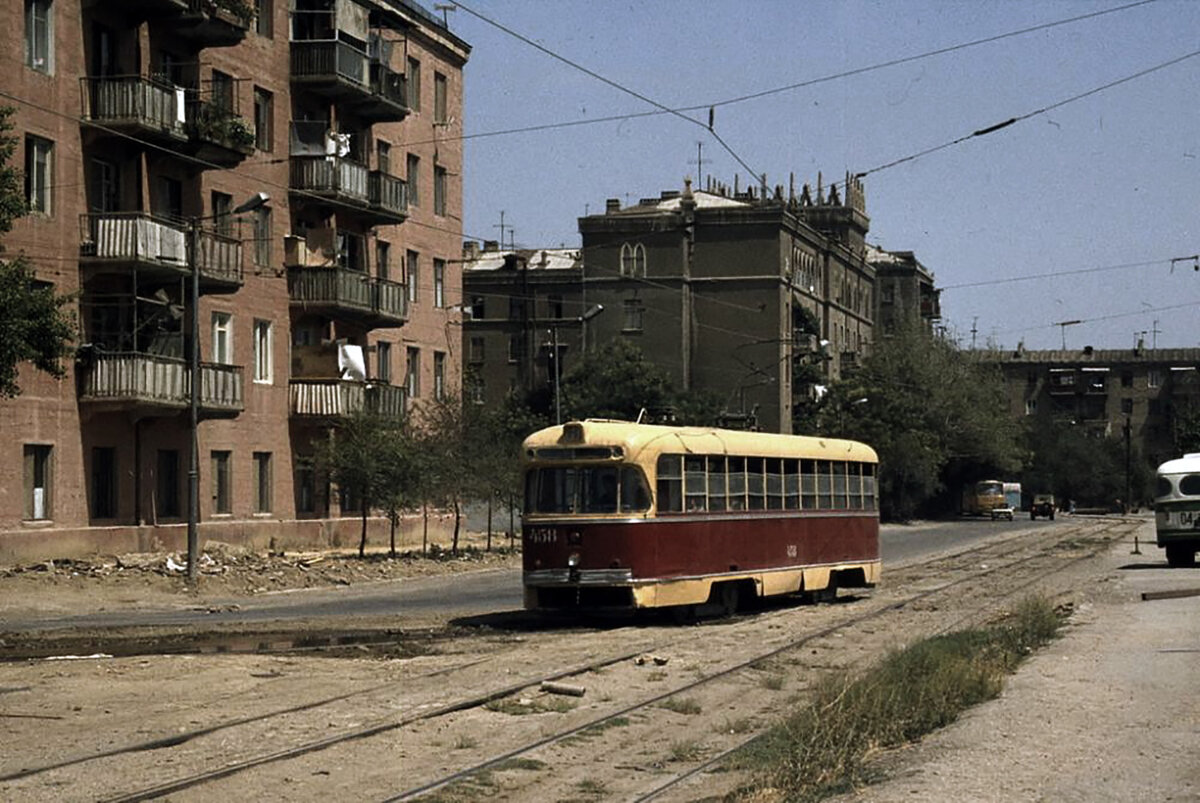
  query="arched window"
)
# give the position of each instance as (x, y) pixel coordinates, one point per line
(633, 260)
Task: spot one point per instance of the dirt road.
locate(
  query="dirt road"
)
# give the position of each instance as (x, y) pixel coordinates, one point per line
(659, 702)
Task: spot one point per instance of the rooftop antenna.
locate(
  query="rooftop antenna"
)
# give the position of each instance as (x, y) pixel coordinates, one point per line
(1064, 325)
(975, 330)
(700, 162)
(502, 228)
(444, 7)
(1154, 330)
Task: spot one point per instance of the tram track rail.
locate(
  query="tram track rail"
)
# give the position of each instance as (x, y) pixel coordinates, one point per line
(999, 556)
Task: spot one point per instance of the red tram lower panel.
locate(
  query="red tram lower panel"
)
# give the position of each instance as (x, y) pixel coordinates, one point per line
(675, 561)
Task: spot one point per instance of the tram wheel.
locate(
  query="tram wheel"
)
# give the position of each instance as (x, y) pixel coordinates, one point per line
(1180, 555)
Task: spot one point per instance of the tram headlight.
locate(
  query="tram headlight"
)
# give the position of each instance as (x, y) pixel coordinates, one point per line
(573, 560)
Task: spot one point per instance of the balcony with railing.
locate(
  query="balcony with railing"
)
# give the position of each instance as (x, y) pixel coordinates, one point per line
(215, 23)
(334, 398)
(388, 197)
(152, 383)
(333, 177)
(351, 294)
(342, 72)
(118, 242)
(218, 133)
(136, 105)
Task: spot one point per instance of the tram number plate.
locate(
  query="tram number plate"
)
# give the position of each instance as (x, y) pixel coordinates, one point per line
(791, 550)
(542, 535)
(1188, 518)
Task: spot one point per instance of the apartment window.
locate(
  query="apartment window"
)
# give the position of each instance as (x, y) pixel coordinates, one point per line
(632, 320)
(166, 486)
(414, 84)
(262, 482)
(104, 482)
(383, 362)
(475, 350)
(264, 119)
(222, 90)
(383, 157)
(414, 174)
(478, 308)
(383, 252)
(514, 348)
(412, 272)
(1127, 379)
(306, 486)
(39, 166)
(222, 338)
(263, 24)
(262, 236)
(554, 305)
(1030, 406)
(1154, 378)
(412, 375)
(516, 308)
(439, 283)
(439, 375)
(350, 251)
(1127, 406)
(38, 480)
(222, 212)
(222, 482)
(633, 259)
(439, 191)
(104, 189)
(439, 98)
(263, 338)
(39, 35)
(170, 197)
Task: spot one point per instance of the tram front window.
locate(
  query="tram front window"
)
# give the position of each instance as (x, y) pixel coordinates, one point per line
(586, 489)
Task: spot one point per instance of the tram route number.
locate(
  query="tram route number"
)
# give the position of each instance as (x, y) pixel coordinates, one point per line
(542, 535)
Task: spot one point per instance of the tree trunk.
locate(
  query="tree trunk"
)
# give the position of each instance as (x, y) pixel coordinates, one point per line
(457, 520)
(425, 528)
(489, 536)
(393, 516)
(362, 542)
(512, 526)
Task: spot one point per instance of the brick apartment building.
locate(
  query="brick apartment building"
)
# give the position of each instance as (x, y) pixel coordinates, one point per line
(708, 283)
(905, 292)
(143, 125)
(1101, 389)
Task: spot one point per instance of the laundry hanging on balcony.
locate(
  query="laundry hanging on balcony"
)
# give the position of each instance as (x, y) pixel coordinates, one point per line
(351, 363)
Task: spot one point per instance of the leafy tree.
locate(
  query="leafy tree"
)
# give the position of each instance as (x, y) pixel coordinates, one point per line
(371, 459)
(617, 381)
(936, 416)
(451, 474)
(1078, 465)
(35, 323)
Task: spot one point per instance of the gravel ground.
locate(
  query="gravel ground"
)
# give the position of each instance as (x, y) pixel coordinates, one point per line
(1107, 713)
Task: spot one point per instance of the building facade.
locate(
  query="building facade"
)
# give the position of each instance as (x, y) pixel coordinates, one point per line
(717, 288)
(1153, 391)
(297, 166)
(905, 294)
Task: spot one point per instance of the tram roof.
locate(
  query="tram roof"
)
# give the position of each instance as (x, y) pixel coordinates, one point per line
(650, 440)
(1188, 463)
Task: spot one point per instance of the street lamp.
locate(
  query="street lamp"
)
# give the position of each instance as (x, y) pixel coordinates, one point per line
(592, 312)
(257, 201)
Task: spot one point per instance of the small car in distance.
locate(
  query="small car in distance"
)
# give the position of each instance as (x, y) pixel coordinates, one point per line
(1005, 512)
(1043, 505)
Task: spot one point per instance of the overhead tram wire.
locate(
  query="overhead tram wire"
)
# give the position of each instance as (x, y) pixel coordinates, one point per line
(1056, 274)
(800, 85)
(609, 82)
(991, 129)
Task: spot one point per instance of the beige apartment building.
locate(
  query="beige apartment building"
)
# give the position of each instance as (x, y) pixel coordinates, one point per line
(296, 165)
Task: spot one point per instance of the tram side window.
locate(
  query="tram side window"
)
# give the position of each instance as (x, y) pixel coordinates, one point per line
(635, 496)
(854, 485)
(755, 469)
(824, 485)
(808, 484)
(716, 483)
(839, 485)
(1190, 485)
(774, 484)
(550, 490)
(737, 483)
(670, 483)
(791, 484)
(695, 483)
(868, 486)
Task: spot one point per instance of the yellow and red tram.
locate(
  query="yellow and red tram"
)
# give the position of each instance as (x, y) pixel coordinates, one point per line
(623, 516)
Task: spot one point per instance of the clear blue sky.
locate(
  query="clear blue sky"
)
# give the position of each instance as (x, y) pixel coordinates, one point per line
(1106, 180)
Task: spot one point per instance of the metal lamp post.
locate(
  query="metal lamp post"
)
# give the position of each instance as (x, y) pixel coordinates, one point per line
(193, 541)
(592, 312)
